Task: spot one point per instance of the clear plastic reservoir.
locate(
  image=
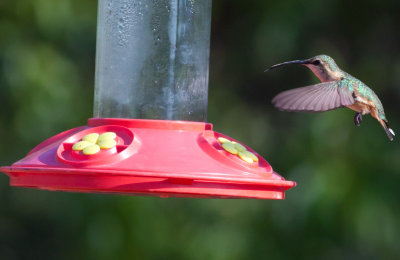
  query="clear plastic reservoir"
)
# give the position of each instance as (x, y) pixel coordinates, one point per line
(152, 59)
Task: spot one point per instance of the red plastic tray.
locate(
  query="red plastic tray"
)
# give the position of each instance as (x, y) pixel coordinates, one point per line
(152, 157)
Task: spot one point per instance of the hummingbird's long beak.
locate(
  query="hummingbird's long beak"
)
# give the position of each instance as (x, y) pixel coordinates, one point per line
(308, 61)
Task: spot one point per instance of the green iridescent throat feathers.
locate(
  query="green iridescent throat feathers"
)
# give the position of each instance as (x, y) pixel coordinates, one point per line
(337, 89)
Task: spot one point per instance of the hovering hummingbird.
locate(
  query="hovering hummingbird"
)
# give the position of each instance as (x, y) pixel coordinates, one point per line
(338, 89)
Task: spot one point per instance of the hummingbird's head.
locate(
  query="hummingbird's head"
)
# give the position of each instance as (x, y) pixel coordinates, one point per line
(323, 66)
(323, 61)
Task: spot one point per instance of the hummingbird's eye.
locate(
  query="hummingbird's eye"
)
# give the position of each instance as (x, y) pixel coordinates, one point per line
(316, 62)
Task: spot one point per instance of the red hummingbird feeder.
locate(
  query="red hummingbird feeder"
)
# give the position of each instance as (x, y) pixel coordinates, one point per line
(148, 135)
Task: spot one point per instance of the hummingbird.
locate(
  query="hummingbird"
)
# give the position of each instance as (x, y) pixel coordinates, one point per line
(337, 89)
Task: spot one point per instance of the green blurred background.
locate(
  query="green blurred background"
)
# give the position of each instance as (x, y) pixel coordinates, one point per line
(346, 204)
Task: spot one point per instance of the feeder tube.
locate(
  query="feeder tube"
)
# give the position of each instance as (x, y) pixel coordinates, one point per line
(152, 59)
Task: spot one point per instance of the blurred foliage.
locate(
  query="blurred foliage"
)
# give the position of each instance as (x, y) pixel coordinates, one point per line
(346, 203)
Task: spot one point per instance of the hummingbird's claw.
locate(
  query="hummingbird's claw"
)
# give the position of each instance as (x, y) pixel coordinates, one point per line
(358, 119)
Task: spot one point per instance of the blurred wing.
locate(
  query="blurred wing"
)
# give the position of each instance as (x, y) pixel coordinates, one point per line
(315, 98)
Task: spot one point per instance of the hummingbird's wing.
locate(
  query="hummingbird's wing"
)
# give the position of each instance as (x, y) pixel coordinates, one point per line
(315, 98)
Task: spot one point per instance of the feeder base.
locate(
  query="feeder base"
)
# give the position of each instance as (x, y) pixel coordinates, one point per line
(151, 157)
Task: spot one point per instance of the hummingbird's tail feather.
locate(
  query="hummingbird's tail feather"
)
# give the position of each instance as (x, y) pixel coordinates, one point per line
(389, 132)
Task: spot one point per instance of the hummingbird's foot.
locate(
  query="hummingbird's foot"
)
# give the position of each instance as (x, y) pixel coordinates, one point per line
(358, 119)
